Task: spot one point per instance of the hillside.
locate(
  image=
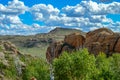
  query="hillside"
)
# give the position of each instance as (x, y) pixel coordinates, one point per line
(16, 66)
(39, 39)
(63, 31)
(37, 44)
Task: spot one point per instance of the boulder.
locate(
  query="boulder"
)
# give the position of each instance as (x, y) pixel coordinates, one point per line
(10, 47)
(109, 41)
(99, 31)
(113, 43)
(75, 39)
(98, 35)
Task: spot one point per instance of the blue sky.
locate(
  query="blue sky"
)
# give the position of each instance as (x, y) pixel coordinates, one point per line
(27, 17)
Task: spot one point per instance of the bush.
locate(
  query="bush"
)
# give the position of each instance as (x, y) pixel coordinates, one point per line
(76, 66)
(36, 68)
(115, 66)
(103, 65)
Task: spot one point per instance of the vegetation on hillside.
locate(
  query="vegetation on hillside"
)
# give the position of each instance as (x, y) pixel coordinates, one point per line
(17, 66)
(33, 67)
(81, 65)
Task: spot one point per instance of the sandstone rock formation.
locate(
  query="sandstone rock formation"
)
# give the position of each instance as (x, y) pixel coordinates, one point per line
(76, 40)
(71, 42)
(54, 50)
(102, 40)
(99, 40)
(8, 46)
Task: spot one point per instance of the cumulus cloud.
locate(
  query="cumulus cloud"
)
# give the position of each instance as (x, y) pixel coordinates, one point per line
(42, 12)
(10, 20)
(10, 23)
(9, 14)
(86, 8)
(14, 7)
(25, 29)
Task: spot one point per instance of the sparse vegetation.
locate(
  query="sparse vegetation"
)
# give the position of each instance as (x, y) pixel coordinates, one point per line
(34, 67)
(35, 51)
(18, 66)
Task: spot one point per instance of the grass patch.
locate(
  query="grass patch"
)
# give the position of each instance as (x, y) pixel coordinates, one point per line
(35, 51)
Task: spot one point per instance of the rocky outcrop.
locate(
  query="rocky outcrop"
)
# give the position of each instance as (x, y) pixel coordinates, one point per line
(8, 54)
(99, 40)
(102, 40)
(8, 46)
(99, 31)
(54, 50)
(76, 40)
(71, 42)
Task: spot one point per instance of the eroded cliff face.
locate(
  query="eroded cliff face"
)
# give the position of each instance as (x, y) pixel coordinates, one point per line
(70, 43)
(99, 40)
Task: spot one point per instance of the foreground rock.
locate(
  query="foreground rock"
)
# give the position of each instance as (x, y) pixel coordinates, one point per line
(17, 66)
(8, 52)
(71, 42)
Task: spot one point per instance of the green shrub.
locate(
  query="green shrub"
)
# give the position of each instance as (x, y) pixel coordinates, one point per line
(36, 68)
(103, 64)
(115, 66)
(76, 66)
(63, 66)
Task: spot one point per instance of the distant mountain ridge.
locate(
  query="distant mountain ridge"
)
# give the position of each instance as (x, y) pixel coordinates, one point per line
(41, 39)
(64, 31)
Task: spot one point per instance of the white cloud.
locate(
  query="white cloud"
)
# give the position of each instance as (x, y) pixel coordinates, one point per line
(10, 23)
(42, 12)
(114, 8)
(9, 14)
(86, 8)
(13, 8)
(10, 20)
(23, 29)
